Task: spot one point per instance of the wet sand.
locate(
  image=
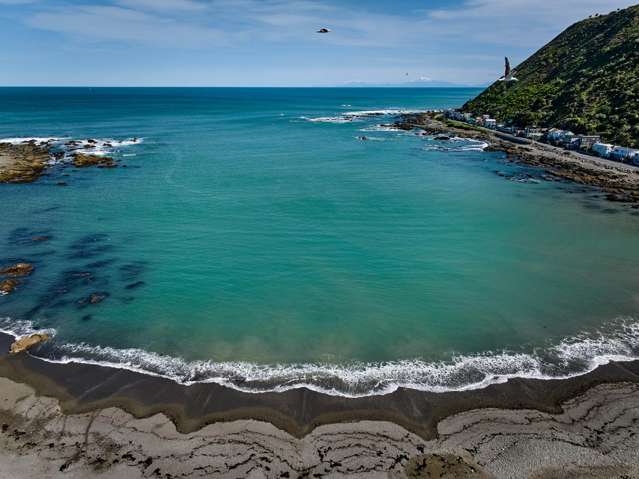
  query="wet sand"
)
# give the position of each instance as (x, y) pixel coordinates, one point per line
(94, 421)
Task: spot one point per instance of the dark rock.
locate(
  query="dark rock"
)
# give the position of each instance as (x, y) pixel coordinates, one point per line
(40, 239)
(94, 298)
(7, 286)
(17, 270)
(83, 160)
(136, 285)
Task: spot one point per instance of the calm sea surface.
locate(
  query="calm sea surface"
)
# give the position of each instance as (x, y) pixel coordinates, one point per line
(255, 240)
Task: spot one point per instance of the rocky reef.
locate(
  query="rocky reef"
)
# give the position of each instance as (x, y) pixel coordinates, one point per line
(7, 286)
(26, 160)
(83, 160)
(22, 163)
(17, 270)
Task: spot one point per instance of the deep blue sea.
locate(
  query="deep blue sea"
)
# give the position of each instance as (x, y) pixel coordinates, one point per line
(274, 238)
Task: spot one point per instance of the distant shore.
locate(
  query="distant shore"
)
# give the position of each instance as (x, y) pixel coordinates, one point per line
(94, 421)
(619, 181)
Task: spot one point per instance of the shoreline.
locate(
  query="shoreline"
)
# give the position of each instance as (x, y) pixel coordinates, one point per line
(406, 423)
(619, 181)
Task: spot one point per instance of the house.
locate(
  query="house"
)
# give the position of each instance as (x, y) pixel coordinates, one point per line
(586, 142)
(533, 133)
(622, 153)
(602, 149)
(568, 139)
(455, 115)
(556, 135)
(490, 123)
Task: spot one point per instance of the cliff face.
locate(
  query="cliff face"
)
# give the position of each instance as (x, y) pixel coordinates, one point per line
(585, 80)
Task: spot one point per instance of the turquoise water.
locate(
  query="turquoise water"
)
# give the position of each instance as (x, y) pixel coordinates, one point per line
(255, 240)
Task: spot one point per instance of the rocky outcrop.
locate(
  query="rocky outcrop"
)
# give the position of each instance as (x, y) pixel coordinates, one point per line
(22, 163)
(28, 342)
(17, 270)
(83, 160)
(7, 286)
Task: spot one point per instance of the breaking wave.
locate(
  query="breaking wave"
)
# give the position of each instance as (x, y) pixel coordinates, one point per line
(357, 116)
(65, 148)
(570, 357)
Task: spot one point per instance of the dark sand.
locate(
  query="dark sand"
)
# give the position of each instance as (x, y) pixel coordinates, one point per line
(300, 430)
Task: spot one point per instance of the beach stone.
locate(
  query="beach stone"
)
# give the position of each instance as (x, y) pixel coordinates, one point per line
(8, 286)
(28, 342)
(83, 160)
(17, 270)
(442, 466)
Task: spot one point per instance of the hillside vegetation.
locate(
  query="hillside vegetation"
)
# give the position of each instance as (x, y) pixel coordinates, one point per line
(585, 80)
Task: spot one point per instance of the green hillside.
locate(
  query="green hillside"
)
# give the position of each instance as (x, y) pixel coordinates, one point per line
(585, 80)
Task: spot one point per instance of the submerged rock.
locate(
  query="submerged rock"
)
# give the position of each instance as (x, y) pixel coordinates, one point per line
(40, 239)
(28, 342)
(17, 270)
(94, 298)
(83, 160)
(8, 285)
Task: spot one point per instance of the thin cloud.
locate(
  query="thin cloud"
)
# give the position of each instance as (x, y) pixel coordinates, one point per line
(127, 25)
(165, 5)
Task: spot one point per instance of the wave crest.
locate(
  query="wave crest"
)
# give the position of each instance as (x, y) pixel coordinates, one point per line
(571, 357)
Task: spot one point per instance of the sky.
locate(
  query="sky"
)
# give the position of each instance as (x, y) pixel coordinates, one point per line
(273, 42)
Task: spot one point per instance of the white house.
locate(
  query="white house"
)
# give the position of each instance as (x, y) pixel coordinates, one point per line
(602, 149)
(622, 153)
(490, 123)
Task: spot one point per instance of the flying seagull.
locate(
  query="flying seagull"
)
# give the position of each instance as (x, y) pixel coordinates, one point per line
(508, 73)
(323, 30)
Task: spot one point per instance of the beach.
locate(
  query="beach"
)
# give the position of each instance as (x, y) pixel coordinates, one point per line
(92, 421)
(297, 283)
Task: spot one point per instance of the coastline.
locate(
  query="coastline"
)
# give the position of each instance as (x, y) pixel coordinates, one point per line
(98, 410)
(619, 181)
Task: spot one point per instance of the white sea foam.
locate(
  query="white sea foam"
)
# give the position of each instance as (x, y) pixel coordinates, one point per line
(383, 112)
(369, 138)
(68, 147)
(355, 116)
(382, 128)
(455, 146)
(37, 140)
(570, 357)
(329, 119)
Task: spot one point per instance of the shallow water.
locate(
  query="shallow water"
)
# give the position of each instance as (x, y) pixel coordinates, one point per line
(256, 236)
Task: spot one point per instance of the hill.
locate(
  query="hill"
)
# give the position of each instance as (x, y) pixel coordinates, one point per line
(585, 80)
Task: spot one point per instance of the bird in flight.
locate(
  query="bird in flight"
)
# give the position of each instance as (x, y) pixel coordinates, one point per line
(323, 30)
(508, 73)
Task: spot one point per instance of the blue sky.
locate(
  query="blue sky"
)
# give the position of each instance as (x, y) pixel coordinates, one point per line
(272, 42)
